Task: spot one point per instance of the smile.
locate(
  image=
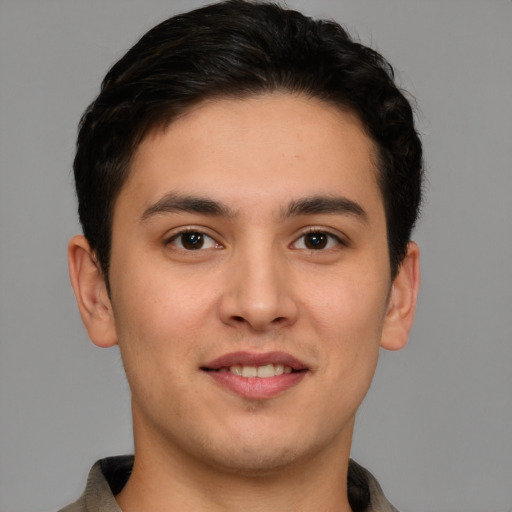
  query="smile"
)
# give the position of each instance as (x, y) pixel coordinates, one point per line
(261, 372)
(256, 376)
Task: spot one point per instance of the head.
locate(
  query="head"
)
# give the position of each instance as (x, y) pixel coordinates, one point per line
(248, 179)
(238, 49)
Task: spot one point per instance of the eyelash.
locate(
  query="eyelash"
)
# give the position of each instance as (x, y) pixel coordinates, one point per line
(202, 234)
(311, 231)
(319, 231)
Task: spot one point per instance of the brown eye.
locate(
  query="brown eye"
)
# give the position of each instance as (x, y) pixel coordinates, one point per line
(316, 240)
(192, 241)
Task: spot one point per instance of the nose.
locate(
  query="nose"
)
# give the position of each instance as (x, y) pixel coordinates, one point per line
(258, 293)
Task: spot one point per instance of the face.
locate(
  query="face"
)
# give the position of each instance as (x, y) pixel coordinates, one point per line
(250, 281)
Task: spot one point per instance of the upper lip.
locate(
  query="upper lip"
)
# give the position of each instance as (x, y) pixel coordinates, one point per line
(255, 359)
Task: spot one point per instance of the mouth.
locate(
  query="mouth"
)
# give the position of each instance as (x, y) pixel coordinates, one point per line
(257, 376)
(261, 372)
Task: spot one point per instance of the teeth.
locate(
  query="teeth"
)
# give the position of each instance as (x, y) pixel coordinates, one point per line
(249, 371)
(268, 370)
(237, 370)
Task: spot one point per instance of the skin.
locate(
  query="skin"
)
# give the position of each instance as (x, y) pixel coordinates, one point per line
(256, 285)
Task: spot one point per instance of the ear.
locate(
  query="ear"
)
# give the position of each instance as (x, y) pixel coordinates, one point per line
(402, 301)
(91, 294)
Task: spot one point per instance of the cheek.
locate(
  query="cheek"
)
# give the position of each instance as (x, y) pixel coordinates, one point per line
(349, 302)
(347, 315)
(155, 331)
(158, 301)
(159, 319)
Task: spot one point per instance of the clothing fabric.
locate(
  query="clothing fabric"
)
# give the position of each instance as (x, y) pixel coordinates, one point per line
(108, 477)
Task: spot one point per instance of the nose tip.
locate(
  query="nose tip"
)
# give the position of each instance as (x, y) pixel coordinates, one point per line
(261, 319)
(260, 300)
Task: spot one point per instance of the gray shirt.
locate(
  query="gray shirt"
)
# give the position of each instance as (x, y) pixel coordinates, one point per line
(108, 476)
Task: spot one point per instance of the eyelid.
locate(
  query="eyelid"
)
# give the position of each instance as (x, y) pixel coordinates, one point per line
(177, 232)
(340, 238)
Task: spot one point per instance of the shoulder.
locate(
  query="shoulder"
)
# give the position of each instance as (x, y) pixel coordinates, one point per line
(106, 478)
(77, 506)
(365, 493)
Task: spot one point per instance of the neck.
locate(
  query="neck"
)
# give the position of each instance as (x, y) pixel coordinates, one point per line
(167, 479)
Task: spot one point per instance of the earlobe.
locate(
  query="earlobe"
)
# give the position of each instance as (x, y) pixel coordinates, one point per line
(91, 292)
(402, 301)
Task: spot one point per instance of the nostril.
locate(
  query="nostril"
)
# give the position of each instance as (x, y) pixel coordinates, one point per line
(277, 321)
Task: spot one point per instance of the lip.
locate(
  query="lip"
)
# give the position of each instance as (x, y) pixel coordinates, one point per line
(255, 359)
(253, 387)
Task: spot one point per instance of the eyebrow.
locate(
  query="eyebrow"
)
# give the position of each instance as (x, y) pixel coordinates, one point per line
(325, 205)
(174, 202)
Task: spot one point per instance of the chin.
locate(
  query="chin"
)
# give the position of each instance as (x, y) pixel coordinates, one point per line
(248, 461)
(256, 454)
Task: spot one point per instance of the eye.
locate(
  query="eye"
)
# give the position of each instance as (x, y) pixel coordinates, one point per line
(192, 241)
(317, 241)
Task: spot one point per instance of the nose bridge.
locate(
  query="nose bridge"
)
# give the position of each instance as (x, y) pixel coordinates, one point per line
(258, 293)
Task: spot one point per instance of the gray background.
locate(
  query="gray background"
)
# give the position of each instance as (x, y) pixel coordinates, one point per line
(436, 427)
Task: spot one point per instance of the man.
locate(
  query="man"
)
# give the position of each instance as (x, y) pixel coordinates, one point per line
(248, 179)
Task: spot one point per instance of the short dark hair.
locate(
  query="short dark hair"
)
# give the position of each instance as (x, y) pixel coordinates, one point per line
(239, 48)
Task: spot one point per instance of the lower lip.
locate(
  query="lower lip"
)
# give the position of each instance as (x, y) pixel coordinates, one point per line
(255, 387)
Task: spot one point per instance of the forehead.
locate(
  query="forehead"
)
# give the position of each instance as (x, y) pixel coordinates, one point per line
(270, 147)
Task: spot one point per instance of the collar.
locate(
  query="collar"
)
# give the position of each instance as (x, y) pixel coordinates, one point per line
(108, 477)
